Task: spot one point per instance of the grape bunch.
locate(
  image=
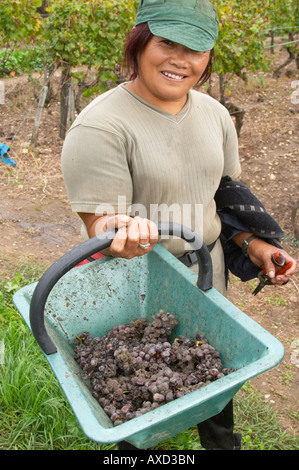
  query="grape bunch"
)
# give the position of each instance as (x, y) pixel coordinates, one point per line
(135, 368)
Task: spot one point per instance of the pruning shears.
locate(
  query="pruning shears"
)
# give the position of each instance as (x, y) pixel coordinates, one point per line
(279, 260)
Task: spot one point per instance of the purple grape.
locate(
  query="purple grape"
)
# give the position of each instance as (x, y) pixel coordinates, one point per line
(135, 368)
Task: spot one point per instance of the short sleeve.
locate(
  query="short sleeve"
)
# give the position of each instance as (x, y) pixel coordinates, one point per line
(96, 171)
(232, 165)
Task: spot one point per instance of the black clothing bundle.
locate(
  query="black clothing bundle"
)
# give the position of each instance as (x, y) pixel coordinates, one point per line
(241, 211)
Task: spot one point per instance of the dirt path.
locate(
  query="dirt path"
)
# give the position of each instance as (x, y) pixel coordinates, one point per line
(37, 225)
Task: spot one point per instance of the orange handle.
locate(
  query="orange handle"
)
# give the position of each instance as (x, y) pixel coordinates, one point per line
(278, 260)
(285, 268)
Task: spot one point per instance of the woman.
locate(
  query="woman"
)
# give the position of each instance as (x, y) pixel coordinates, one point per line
(155, 149)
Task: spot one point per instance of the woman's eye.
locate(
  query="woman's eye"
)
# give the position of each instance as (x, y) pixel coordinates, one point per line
(167, 42)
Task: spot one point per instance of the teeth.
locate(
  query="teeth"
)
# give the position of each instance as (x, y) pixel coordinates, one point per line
(172, 75)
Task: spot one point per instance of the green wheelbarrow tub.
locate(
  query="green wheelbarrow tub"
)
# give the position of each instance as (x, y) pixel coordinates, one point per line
(112, 291)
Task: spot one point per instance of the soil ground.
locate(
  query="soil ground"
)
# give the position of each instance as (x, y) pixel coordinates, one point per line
(37, 225)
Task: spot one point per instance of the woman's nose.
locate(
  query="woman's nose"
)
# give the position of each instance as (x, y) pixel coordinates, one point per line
(179, 56)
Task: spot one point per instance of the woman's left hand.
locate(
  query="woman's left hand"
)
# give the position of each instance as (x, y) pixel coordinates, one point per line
(260, 252)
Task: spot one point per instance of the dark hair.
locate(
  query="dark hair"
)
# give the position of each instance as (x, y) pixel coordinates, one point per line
(208, 70)
(136, 42)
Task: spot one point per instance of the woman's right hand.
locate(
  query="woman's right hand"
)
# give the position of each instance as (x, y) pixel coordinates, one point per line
(132, 233)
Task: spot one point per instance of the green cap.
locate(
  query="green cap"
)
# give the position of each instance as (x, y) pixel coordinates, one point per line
(192, 23)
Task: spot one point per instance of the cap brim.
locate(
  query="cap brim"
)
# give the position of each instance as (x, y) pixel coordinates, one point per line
(188, 35)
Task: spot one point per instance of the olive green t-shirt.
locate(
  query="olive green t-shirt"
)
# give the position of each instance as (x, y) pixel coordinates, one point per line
(124, 155)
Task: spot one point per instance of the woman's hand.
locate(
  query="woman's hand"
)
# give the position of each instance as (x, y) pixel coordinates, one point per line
(135, 236)
(260, 253)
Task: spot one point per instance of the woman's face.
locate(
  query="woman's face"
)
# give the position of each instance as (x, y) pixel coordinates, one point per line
(167, 71)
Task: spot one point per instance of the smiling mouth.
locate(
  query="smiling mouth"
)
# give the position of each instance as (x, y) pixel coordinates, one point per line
(173, 76)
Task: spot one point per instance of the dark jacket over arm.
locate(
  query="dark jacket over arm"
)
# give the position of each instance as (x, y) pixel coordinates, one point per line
(241, 211)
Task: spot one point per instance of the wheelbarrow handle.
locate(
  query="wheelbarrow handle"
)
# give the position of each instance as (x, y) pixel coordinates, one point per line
(88, 248)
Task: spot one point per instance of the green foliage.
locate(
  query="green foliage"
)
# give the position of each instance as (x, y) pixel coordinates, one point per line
(92, 33)
(34, 414)
(284, 20)
(284, 15)
(23, 60)
(240, 47)
(26, 274)
(19, 21)
(259, 424)
(244, 27)
(89, 33)
(20, 24)
(244, 30)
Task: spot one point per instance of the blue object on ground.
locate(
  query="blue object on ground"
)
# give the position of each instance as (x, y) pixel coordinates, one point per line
(4, 149)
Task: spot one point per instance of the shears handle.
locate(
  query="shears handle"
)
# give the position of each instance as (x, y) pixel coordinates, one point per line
(279, 260)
